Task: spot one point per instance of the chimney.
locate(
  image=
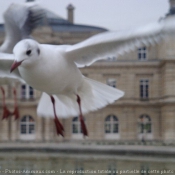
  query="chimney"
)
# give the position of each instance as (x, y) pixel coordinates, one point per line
(70, 13)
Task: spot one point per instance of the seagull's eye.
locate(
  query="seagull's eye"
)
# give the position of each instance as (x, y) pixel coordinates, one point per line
(28, 52)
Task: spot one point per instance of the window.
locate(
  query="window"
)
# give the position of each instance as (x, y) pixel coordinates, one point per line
(142, 54)
(111, 127)
(79, 170)
(144, 169)
(76, 125)
(111, 124)
(111, 82)
(111, 58)
(144, 88)
(27, 127)
(112, 169)
(76, 128)
(27, 92)
(145, 127)
(23, 91)
(145, 124)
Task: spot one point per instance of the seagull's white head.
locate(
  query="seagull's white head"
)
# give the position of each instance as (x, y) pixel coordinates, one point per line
(25, 52)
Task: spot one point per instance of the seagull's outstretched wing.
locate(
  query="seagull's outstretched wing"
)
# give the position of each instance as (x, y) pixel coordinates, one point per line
(20, 20)
(35, 16)
(6, 61)
(117, 43)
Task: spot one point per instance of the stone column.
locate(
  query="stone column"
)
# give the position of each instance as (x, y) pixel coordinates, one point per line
(38, 129)
(13, 129)
(47, 129)
(168, 123)
(131, 124)
(4, 130)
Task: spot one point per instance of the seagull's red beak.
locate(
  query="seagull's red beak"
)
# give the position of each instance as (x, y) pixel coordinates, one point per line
(15, 65)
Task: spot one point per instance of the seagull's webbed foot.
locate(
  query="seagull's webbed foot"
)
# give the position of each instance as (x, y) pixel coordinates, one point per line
(59, 126)
(6, 113)
(83, 126)
(16, 113)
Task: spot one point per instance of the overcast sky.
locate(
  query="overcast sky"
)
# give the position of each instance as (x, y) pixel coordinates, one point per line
(110, 14)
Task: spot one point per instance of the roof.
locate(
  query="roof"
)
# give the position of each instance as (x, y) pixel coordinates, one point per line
(59, 24)
(76, 28)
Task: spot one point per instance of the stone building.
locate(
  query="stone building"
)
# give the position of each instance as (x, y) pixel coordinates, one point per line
(146, 75)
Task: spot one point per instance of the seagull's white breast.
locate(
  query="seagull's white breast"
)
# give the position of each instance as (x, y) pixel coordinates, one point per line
(52, 73)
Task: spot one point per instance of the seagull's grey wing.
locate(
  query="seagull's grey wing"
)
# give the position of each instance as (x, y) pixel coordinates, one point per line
(35, 17)
(20, 20)
(117, 43)
(6, 61)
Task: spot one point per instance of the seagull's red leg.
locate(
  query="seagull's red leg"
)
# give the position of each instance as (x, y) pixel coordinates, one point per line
(6, 112)
(59, 126)
(83, 126)
(16, 111)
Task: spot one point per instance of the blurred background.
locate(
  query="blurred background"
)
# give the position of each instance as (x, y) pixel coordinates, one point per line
(136, 133)
(113, 15)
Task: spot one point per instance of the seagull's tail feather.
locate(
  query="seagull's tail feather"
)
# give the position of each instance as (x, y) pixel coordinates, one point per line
(94, 95)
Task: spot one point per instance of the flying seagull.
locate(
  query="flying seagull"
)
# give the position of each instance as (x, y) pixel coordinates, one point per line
(50, 69)
(19, 20)
(54, 69)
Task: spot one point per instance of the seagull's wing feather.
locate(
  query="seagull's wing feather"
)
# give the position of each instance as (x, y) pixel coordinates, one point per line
(35, 16)
(20, 20)
(117, 43)
(94, 95)
(6, 61)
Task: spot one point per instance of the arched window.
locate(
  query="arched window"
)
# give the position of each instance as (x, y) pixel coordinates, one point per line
(27, 128)
(145, 127)
(111, 127)
(111, 124)
(145, 124)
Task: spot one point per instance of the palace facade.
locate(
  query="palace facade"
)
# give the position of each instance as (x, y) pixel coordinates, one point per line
(146, 75)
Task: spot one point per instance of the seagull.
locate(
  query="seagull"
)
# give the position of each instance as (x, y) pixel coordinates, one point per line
(20, 20)
(54, 70)
(61, 79)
